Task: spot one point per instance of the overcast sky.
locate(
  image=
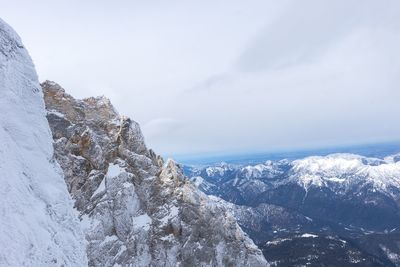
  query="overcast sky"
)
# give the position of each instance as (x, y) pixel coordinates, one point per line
(226, 76)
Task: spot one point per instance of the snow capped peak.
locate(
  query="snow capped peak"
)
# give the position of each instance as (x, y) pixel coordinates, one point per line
(346, 170)
(393, 158)
(333, 161)
(267, 170)
(220, 169)
(340, 172)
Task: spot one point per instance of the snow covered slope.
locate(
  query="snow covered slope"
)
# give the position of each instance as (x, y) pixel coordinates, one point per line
(346, 171)
(37, 223)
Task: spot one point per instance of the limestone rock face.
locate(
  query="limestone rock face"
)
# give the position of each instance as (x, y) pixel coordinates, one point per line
(135, 209)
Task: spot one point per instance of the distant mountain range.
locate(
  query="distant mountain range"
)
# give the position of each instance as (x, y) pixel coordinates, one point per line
(378, 150)
(333, 210)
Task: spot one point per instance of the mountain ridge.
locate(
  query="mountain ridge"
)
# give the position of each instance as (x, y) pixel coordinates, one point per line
(336, 197)
(137, 209)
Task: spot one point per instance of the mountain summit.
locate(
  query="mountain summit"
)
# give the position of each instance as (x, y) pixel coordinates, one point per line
(137, 210)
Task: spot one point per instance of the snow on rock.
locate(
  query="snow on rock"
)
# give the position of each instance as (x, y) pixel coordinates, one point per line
(267, 170)
(307, 235)
(142, 221)
(345, 171)
(219, 170)
(339, 172)
(137, 210)
(38, 226)
(392, 256)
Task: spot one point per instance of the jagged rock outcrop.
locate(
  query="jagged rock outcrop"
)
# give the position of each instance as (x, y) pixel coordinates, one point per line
(38, 226)
(137, 210)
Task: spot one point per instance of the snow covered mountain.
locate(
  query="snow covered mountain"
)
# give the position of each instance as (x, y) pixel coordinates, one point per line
(133, 209)
(337, 172)
(137, 210)
(38, 226)
(334, 197)
(345, 171)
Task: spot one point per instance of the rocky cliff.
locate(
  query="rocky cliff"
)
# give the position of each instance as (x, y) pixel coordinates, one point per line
(137, 210)
(38, 226)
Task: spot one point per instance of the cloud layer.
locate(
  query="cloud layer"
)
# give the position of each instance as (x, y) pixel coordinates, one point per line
(227, 76)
